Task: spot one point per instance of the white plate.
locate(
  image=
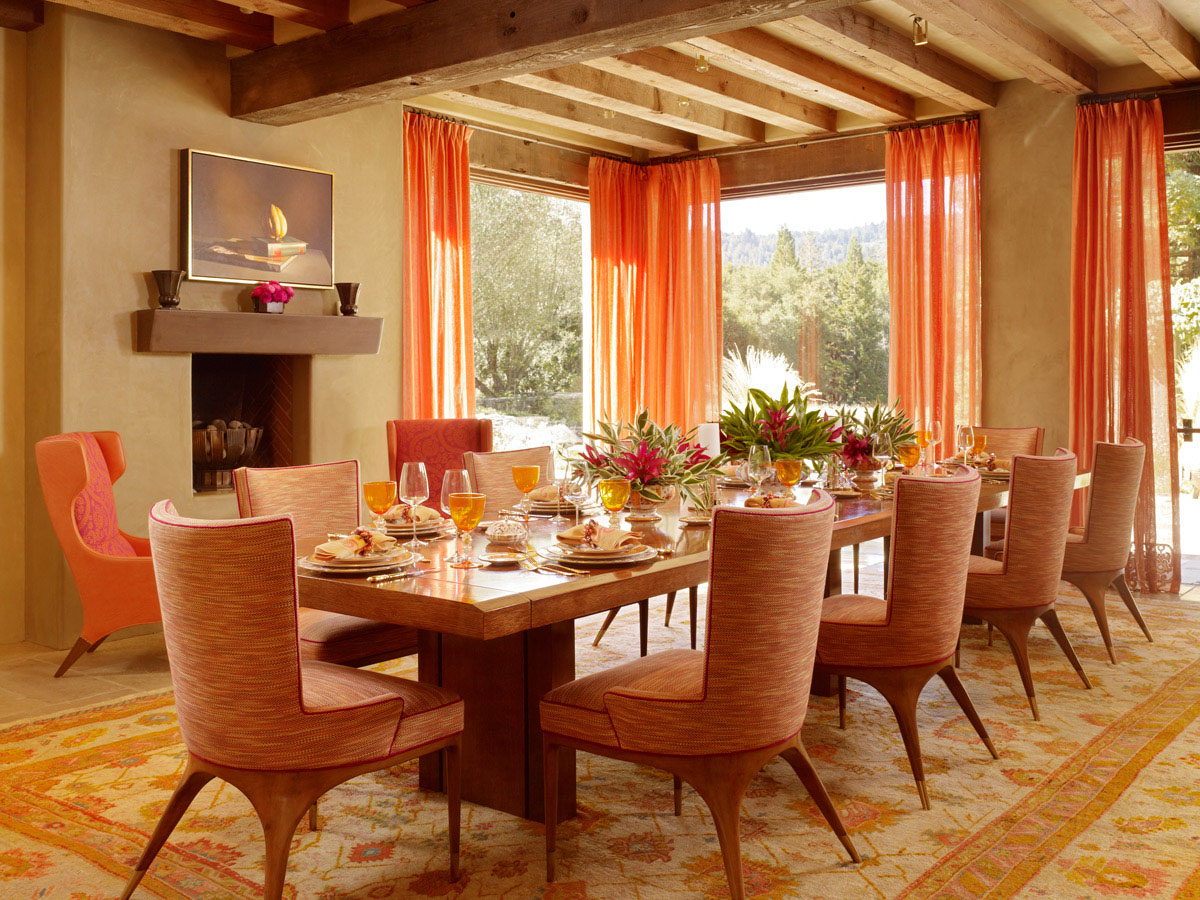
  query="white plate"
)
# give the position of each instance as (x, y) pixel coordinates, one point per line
(503, 557)
(647, 554)
(308, 565)
(695, 520)
(566, 552)
(399, 554)
(394, 529)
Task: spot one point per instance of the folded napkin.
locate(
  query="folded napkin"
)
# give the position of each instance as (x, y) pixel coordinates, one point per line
(364, 541)
(401, 514)
(730, 470)
(771, 501)
(592, 534)
(547, 493)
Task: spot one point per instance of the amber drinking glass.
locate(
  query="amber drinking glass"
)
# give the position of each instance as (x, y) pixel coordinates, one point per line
(980, 444)
(614, 494)
(908, 454)
(526, 479)
(466, 511)
(380, 497)
(789, 471)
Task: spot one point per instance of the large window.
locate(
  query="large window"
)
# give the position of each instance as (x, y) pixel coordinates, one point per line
(527, 256)
(805, 294)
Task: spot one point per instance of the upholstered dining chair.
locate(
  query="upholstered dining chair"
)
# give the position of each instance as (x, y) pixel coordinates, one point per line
(112, 569)
(1016, 591)
(1097, 553)
(898, 643)
(1009, 442)
(284, 733)
(439, 443)
(714, 717)
(321, 499)
(491, 474)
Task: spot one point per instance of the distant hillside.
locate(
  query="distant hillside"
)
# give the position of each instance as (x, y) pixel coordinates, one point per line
(826, 247)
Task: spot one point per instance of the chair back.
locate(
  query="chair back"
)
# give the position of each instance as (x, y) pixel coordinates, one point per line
(439, 443)
(1112, 503)
(228, 595)
(932, 525)
(491, 475)
(320, 499)
(1009, 442)
(77, 472)
(1035, 534)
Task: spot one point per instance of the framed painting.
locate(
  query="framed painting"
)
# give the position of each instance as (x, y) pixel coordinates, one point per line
(246, 220)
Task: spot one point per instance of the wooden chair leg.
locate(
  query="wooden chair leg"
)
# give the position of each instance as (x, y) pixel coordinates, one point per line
(644, 626)
(799, 760)
(902, 697)
(92, 649)
(189, 786)
(949, 676)
(670, 609)
(608, 620)
(723, 795)
(452, 766)
(279, 823)
(81, 647)
(550, 770)
(677, 789)
(314, 818)
(1123, 589)
(854, 558)
(957, 651)
(1094, 589)
(989, 625)
(1050, 619)
(1015, 630)
(841, 688)
(693, 609)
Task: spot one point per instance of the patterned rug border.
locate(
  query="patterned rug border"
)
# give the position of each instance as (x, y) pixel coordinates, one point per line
(34, 726)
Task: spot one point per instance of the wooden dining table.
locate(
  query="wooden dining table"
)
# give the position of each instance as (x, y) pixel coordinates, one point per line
(503, 637)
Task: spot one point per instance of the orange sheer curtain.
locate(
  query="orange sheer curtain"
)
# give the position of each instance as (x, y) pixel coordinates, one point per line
(1122, 356)
(655, 322)
(439, 361)
(933, 273)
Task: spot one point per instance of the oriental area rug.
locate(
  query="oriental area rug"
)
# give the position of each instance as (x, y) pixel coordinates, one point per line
(1101, 799)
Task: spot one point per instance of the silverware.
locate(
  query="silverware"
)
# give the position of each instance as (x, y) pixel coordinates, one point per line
(396, 576)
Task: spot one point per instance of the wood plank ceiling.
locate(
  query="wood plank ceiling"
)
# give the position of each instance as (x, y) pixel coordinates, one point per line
(660, 78)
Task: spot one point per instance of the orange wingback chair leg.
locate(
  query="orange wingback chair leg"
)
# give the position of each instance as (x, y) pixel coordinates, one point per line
(112, 569)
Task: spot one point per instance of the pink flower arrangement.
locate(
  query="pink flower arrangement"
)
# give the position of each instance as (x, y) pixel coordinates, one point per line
(856, 452)
(272, 292)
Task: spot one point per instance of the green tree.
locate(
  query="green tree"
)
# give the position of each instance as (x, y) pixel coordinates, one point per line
(854, 319)
(785, 249)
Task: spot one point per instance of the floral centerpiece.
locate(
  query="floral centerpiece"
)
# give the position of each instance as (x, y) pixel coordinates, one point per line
(271, 296)
(861, 428)
(657, 460)
(788, 426)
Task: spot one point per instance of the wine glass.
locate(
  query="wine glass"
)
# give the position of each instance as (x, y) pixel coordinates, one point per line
(526, 479)
(574, 491)
(466, 511)
(414, 490)
(924, 436)
(909, 455)
(758, 465)
(614, 494)
(964, 442)
(380, 497)
(935, 439)
(455, 481)
(980, 444)
(561, 496)
(883, 451)
(789, 471)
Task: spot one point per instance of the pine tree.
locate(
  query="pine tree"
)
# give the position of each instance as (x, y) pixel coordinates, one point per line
(785, 249)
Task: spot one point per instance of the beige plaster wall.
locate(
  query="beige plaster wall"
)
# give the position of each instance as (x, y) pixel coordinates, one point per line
(12, 328)
(1025, 157)
(105, 154)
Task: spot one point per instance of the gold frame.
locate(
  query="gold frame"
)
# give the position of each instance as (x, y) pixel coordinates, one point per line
(185, 238)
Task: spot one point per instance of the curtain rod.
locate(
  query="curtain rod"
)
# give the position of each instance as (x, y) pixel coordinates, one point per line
(1139, 94)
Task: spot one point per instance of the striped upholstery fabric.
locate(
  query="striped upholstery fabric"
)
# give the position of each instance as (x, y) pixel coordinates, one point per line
(1009, 442)
(749, 687)
(1108, 529)
(245, 699)
(1039, 510)
(931, 549)
(491, 475)
(96, 506)
(439, 443)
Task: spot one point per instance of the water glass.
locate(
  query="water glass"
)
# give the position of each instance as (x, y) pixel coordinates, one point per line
(414, 490)
(758, 465)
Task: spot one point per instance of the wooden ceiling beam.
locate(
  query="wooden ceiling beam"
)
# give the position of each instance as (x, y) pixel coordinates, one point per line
(1151, 32)
(668, 70)
(853, 37)
(563, 112)
(452, 44)
(323, 14)
(21, 15)
(642, 101)
(210, 20)
(766, 58)
(994, 29)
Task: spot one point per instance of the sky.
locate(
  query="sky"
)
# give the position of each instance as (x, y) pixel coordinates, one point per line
(806, 210)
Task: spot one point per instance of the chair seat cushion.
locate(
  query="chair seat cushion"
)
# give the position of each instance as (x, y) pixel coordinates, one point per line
(854, 609)
(982, 565)
(335, 638)
(577, 709)
(994, 550)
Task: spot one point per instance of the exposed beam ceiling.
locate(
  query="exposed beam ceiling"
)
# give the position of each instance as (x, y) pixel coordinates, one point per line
(1151, 32)
(322, 14)
(21, 15)
(766, 58)
(518, 100)
(670, 71)
(453, 44)
(995, 30)
(588, 85)
(853, 37)
(207, 19)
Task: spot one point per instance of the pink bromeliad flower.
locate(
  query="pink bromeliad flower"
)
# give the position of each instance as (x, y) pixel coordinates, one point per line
(776, 426)
(643, 464)
(857, 451)
(696, 455)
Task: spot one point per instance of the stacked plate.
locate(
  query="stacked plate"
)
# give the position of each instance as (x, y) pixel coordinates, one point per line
(427, 529)
(370, 564)
(578, 555)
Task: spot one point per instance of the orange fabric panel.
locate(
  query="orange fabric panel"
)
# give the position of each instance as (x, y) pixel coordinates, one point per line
(439, 355)
(934, 273)
(1122, 356)
(655, 323)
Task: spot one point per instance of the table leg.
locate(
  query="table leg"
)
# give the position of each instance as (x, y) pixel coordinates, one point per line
(644, 625)
(693, 608)
(833, 575)
(502, 682)
(983, 533)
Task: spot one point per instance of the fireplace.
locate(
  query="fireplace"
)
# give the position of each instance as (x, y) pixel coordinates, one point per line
(245, 412)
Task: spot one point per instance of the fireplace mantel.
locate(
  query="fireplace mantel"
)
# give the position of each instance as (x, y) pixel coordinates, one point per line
(200, 331)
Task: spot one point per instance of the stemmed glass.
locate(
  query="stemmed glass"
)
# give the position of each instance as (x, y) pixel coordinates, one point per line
(414, 490)
(758, 465)
(909, 455)
(563, 479)
(789, 471)
(380, 497)
(614, 494)
(454, 481)
(882, 450)
(935, 438)
(526, 479)
(964, 442)
(574, 492)
(466, 511)
(924, 435)
(980, 444)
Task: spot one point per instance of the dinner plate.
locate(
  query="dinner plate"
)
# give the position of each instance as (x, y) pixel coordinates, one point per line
(695, 520)
(576, 552)
(373, 568)
(503, 557)
(647, 553)
(569, 541)
(845, 494)
(397, 554)
(394, 528)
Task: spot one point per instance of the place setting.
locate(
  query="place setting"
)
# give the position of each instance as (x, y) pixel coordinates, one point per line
(593, 545)
(363, 552)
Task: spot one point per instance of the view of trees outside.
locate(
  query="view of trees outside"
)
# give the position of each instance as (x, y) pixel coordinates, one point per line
(527, 256)
(1183, 226)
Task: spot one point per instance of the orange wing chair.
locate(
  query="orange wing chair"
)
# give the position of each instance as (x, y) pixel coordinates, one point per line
(439, 443)
(284, 733)
(112, 569)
